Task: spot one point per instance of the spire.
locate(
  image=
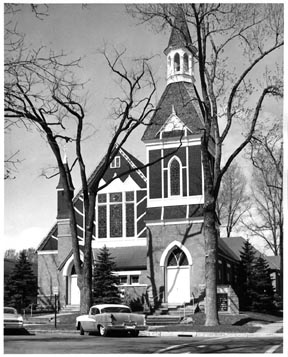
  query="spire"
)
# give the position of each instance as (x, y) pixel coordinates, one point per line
(180, 35)
(180, 52)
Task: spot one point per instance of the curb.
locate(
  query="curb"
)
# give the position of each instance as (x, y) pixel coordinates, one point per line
(209, 334)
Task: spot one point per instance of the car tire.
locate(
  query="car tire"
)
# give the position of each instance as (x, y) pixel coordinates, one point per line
(82, 332)
(135, 333)
(103, 331)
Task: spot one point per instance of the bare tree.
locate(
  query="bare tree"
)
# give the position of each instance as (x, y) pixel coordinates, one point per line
(227, 92)
(266, 215)
(233, 200)
(42, 94)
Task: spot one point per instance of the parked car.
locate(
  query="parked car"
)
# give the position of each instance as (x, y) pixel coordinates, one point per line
(12, 319)
(105, 318)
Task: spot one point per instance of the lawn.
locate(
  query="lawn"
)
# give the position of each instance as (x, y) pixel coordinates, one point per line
(247, 322)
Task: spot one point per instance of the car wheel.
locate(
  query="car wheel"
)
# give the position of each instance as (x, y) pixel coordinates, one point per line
(81, 330)
(103, 331)
(135, 333)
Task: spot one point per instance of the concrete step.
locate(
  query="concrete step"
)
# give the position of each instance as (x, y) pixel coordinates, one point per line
(160, 320)
(70, 308)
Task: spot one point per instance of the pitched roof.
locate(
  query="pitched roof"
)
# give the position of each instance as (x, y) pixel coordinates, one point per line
(236, 244)
(180, 35)
(132, 161)
(273, 261)
(183, 98)
(128, 258)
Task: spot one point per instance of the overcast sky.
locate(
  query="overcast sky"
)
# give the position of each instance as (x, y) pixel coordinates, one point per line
(30, 199)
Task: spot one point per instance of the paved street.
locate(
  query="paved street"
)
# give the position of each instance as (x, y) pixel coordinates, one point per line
(72, 343)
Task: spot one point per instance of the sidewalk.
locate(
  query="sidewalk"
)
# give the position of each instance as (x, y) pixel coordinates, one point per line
(265, 331)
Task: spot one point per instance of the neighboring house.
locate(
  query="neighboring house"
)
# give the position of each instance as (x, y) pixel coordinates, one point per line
(150, 220)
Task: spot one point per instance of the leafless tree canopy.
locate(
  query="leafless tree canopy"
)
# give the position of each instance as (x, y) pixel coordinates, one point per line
(229, 43)
(233, 200)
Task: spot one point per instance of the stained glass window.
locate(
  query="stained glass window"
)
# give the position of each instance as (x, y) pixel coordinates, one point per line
(130, 224)
(102, 197)
(102, 221)
(130, 196)
(177, 258)
(116, 197)
(116, 220)
(175, 178)
(116, 215)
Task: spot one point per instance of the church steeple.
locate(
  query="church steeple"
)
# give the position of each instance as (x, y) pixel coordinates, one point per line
(180, 63)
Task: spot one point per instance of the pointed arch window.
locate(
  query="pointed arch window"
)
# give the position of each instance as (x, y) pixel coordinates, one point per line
(177, 258)
(175, 177)
(177, 62)
(186, 62)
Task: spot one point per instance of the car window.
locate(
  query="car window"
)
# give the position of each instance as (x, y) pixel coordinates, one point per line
(94, 311)
(116, 309)
(9, 310)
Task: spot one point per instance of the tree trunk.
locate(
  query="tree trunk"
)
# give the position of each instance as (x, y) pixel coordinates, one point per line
(281, 261)
(211, 241)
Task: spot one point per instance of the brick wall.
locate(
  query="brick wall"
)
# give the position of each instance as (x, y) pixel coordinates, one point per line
(159, 237)
(47, 277)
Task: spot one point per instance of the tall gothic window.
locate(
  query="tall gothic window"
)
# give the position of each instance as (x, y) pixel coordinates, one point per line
(177, 258)
(116, 215)
(177, 62)
(175, 178)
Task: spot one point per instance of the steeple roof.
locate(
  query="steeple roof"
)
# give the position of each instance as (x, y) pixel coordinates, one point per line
(180, 35)
(181, 96)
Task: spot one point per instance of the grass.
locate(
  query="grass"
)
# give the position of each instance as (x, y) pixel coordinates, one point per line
(247, 322)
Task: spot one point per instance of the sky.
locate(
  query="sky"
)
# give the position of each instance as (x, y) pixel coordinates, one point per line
(30, 198)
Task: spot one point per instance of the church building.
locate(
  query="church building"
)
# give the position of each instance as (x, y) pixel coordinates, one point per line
(150, 220)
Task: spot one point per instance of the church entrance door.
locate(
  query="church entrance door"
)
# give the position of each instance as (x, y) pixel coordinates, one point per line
(74, 291)
(177, 277)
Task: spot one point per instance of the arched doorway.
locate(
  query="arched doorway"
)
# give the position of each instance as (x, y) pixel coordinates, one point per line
(177, 277)
(74, 296)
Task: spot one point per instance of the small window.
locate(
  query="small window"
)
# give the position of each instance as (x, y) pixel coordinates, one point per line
(115, 163)
(94, 311)
(123, 279)
(134, 279)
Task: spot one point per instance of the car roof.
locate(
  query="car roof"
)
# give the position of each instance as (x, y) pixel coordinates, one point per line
(10, 308)
(102, 306)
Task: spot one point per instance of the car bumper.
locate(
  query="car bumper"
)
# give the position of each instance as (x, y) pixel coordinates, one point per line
(126, 328)
(12, 325)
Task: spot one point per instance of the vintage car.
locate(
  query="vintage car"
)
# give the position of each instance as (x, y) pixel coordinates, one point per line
(111, 317)
(12, 319)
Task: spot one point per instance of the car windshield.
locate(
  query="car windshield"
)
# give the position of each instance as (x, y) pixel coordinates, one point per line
(116, 309)
(9, 310)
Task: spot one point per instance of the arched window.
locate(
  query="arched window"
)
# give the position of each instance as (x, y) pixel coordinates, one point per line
(177, 258)
(175, 177)
(185, 62)
(177, 62)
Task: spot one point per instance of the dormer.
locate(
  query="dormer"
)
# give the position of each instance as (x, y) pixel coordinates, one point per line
(173, 126)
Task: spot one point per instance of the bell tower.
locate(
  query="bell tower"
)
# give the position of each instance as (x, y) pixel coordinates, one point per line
(180, 52)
